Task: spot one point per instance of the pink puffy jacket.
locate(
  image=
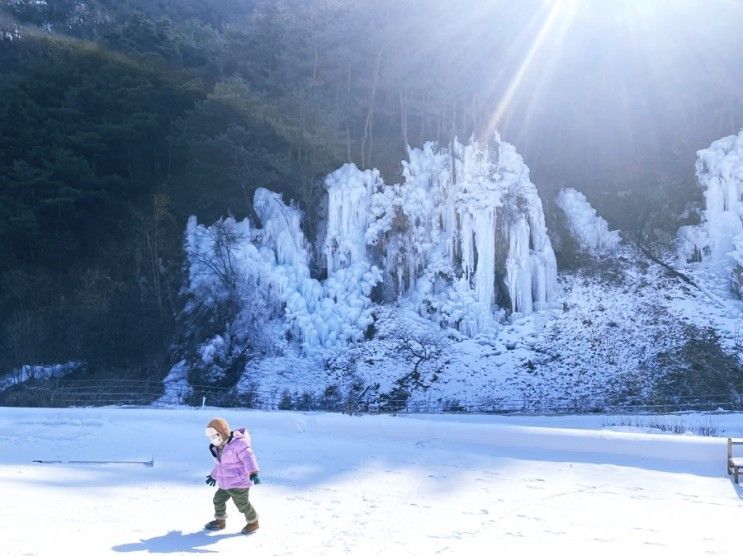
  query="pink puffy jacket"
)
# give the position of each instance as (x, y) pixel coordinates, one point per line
(235, 461)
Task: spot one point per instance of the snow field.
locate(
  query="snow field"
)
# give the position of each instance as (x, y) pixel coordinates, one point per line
(335, 484)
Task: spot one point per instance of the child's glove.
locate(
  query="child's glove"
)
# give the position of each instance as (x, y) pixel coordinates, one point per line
(255, 479)
(211, 481)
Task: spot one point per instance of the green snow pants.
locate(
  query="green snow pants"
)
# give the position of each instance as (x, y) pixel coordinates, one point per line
(239, 497)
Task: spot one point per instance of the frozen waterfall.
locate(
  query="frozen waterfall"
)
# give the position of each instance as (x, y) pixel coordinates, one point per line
(349, 191)
(586, 226)
(270, 266)
(469, 212)
(718, 240)
(461, 240)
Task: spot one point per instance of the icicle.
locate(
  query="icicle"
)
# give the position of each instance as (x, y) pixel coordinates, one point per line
(467, 246)
(719, 170)
(485, 273)
(519, 268)
(442, 221)
(586, 226)
(282, 228)
(439, 239)
(349, 198)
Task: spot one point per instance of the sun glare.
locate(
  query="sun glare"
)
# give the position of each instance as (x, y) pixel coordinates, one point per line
(560, 12)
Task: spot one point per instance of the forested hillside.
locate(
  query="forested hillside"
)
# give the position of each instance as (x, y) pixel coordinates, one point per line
(121, 118)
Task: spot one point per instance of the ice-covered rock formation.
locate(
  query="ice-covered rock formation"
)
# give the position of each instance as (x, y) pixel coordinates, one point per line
(464, 235)
(349, 190)
(737, 272)
(718, 240)
(462, 240)
(586, 226)
(269, 267)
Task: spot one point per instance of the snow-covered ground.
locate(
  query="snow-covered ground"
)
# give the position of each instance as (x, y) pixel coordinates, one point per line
(615, 325)
(334, 484)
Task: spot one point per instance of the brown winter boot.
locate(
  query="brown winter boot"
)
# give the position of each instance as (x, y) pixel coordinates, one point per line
(216, 525)
(251, 527)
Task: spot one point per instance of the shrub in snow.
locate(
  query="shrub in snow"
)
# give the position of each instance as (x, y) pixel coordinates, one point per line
(589, 230)
(718, 240)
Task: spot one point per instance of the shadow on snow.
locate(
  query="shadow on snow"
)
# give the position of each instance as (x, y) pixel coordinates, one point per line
(175, 542)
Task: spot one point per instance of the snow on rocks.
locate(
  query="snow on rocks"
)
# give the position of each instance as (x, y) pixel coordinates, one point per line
(31, 372)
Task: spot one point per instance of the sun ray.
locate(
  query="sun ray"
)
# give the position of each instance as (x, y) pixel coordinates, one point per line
(553, 58)
(559, 9)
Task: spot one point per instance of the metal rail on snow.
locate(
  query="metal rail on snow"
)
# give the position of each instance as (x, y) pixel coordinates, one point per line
(150, 463)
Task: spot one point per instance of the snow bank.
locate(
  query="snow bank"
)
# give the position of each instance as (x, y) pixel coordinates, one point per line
(176, 385)
(29, 372)
(587, 227)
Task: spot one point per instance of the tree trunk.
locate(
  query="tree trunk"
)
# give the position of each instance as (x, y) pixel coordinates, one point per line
(453, 121)
(348, 115)
(348, 141)
(404, 120)
(369, 124)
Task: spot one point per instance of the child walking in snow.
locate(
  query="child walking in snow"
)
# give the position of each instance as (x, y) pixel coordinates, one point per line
(235, 471)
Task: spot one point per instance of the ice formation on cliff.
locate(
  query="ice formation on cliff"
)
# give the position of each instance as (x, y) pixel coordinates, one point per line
(349, 190)
(718, 240)
(462, 241)
(270, 265)
(587, 227)
(463, 236)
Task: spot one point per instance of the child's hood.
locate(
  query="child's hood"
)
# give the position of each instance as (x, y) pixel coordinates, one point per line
(241, 433)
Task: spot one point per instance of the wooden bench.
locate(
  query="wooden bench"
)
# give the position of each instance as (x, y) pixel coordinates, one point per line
(734, 464)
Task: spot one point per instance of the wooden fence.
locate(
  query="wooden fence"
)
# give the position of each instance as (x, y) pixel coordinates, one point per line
(125, 392)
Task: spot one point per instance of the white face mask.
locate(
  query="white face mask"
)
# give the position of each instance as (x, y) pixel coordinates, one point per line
(214, 437)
